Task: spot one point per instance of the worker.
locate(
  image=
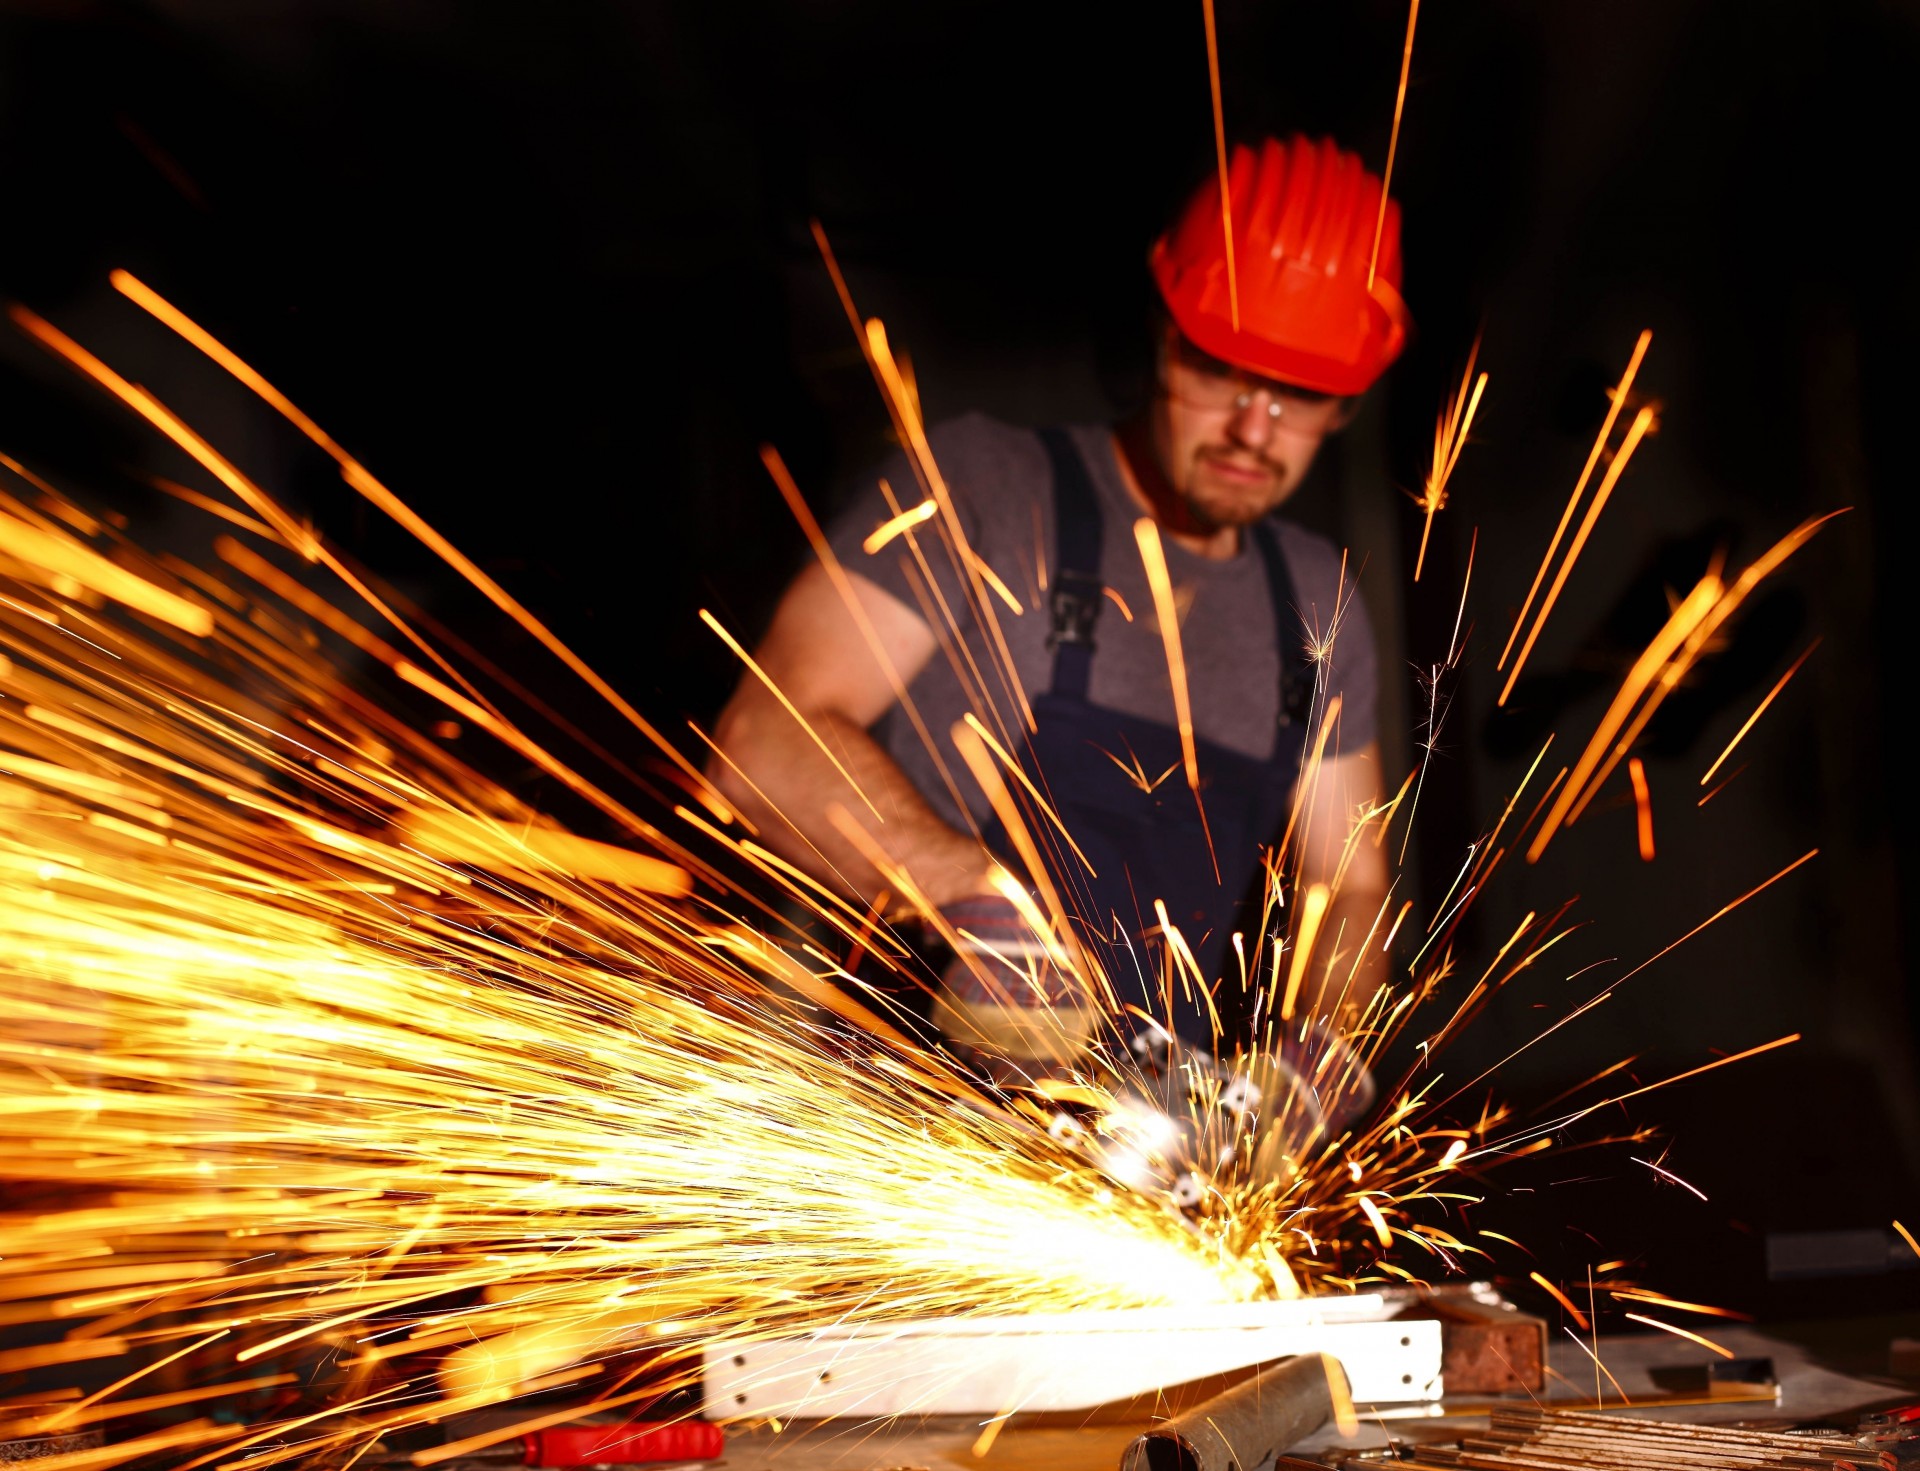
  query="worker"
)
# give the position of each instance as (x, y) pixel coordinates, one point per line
(1261, 351)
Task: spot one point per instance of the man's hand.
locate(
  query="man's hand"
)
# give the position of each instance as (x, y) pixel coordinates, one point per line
(1009, 1001)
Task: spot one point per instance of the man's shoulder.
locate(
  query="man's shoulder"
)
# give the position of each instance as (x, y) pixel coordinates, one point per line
(980, 439)
(990, 466)
(1308, 552)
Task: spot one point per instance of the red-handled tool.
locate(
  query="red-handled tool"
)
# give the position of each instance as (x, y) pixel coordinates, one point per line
(636, 1443)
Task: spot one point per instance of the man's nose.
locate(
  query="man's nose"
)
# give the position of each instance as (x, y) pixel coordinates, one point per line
(1253, 420)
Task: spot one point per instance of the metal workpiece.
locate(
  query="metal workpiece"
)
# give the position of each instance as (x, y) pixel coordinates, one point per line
(1529, 1439)
(1055, 1362)
(1248, 1426)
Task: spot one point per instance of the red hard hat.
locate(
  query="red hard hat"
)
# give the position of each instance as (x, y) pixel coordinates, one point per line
(1303, 223)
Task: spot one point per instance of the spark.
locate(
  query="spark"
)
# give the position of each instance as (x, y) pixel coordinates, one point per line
(1725, 1353)
(363, 481)
(1617, 400)
(1642, 808)
(1376, 1220)
(1598, 1366)
(1907, 1236)
(1313, 910)
(887, 530)
(1700, 640)
(1449, 438)
(836, 574)
(1685, 621)
(1638, 1294)
(1642, 423)
(739, 652)
(1759, 710)
(1393, 140)
(1666, 1174)
(1720, 914)
(1560, 1297)
(1220, 151)
(1146, 534)
(1723, 785)
(35, 550)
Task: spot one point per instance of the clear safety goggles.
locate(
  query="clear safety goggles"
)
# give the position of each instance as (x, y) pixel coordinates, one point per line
(1201, 381)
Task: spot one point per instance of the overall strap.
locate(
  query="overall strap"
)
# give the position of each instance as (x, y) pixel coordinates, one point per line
(1076, 589)
(1297, 672)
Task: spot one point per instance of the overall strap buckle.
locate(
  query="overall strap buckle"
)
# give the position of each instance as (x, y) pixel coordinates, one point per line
(1075, 606)
(1299, 679)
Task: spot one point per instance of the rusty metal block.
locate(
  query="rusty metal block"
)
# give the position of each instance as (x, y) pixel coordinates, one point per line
(1487, 1345)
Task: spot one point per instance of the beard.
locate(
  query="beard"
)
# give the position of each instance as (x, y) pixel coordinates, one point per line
(1217, 499)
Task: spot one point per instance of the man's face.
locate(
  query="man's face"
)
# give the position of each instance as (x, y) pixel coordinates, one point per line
(1234, 445)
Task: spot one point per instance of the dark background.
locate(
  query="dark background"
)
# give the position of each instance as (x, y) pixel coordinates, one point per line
(545, 269)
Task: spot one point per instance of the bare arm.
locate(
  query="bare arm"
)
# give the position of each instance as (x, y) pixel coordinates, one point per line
(778, 776)
(1347, 787)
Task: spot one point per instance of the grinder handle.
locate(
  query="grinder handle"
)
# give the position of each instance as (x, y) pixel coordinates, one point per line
(635, 1443)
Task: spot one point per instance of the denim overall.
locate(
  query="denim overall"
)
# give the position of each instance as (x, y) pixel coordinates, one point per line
(1151, 845)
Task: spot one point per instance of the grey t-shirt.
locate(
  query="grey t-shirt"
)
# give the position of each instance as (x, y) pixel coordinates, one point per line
(1001, 484)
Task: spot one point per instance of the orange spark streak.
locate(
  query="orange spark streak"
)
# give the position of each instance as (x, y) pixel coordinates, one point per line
(1596, 1363)
(36, 549)
(1696, 642)
(1377, 1221)
(1642, 422)
(1718, 1062)
(833, 271)
(1564, 1301)
(1642, 807)
(1449, 438)
(1399, 919)
(66, 1412)
(1120, 603)
(913, 438)
(1154, 558)
(1059, 935)
(789, 490)
(905, 521)
(1313, 909)
(1907, 1236)
(781, 695)
(984, 1441)
(363, 480)
(1666, 1174)
(1759, 710)
(305, 544)
(1617, 401)
(1220, 151)
(1725, 1353)
(1393, 140)
(992, 580)
(1686, 618)
(1722, 786)
(1717, 916)
(1014, 769)
(1640, 1294)
(1309, 775)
